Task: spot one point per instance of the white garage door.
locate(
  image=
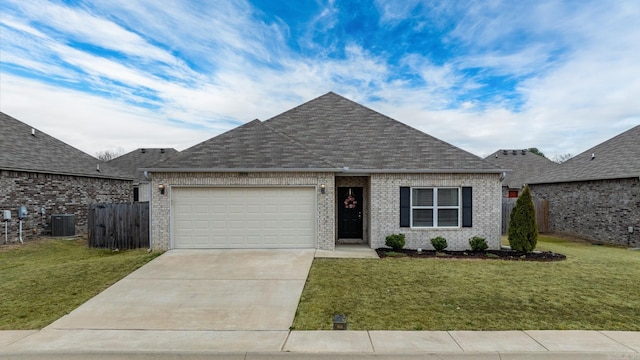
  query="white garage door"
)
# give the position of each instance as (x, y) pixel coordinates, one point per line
(243, 217)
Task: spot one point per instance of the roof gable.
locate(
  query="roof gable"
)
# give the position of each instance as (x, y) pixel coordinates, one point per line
(351, 135)
(522, 166)
(23, 148)
(616, 158)
(331, 133)
(132, 161)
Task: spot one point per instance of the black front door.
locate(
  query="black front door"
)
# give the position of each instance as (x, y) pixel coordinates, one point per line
(350, 213)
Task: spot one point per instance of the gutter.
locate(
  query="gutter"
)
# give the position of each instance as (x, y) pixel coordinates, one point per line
(232, 170)
(570, 180)
(335, 170)
(97, 175)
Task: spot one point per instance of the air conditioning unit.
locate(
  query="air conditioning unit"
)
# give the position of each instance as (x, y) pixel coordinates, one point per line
(63, 225)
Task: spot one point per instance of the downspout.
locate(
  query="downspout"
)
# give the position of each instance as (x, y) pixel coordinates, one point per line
(502, 177)
(146, 176)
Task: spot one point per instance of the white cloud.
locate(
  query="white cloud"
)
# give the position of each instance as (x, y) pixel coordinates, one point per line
(79, 25)
(212, 68)
(91, 123)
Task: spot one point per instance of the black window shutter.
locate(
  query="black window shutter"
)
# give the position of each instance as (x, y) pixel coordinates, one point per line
(467, 203)
(405, 206)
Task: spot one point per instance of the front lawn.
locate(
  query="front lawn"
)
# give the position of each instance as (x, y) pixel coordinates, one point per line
(597, 287)
(42, 281)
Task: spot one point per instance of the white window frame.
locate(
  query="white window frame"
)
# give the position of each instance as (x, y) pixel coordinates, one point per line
(435, 207)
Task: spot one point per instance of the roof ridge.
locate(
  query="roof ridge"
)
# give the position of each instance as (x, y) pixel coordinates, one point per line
(422, 133)
(303, 104)
(418, 131)
(44, 149)
(604, 143)
(50, 136)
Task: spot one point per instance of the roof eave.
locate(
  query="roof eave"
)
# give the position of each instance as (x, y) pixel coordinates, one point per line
(567, 180)
(426, 171)
(337, 170)
(98, 175)
(244, 170)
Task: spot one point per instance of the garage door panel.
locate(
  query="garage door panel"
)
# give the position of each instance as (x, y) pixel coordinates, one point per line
(243, 217)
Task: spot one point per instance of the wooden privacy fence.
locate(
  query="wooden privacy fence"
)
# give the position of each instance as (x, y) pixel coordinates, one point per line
(119, 226)
(542, 213)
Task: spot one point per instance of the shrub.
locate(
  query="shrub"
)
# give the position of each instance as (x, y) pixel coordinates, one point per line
(395, 241)
(439, 243)
(478, 243)
(523, 230)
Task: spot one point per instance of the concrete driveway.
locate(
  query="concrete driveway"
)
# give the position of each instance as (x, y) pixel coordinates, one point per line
(204, 290)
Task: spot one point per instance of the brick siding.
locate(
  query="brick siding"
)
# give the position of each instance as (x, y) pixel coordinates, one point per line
(56, 194)
(161, 204)
(600, 211)
(381, 204)
(385, 209)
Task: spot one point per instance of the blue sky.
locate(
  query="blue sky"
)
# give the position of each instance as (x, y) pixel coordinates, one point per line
(561, 76)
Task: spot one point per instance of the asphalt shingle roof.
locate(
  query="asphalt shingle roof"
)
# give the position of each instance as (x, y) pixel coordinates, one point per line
(329, 132)
(22, 151)
(250, 146)
(140, 158)
(521, 165)
(616, 158)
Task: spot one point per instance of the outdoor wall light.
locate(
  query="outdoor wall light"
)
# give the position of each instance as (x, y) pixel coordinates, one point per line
(323, 188)
(161, 188)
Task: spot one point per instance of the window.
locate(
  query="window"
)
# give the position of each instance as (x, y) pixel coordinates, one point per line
(513, 193)
(435, 207)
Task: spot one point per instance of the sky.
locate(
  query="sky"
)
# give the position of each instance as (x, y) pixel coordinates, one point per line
(562, 76)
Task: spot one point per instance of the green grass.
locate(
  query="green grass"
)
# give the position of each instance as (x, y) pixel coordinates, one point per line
(40, 282)
(597, 287)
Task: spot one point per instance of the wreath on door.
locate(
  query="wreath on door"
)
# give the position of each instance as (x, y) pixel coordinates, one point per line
(350, 202)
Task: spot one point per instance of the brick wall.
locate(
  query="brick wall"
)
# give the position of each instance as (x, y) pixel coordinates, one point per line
(56, 194)
(161, 204)
(600, 211)
(385, 209)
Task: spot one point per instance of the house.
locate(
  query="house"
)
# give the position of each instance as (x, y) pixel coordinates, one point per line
(141, 158)
(596, 194)
(50, 177)
(522, 166)
(327, 172)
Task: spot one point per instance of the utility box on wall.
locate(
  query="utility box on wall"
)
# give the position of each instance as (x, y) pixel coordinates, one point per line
(63, 225)
(22, 212)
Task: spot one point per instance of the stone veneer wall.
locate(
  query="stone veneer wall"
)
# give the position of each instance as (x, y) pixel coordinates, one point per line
(600, 211)
(57, 194)
(161, 204)
(486, 209)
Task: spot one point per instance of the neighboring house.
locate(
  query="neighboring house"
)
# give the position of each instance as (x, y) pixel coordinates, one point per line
(521, 166)
(596, 195)
(141, 158)
(50, 177)
(327, 172)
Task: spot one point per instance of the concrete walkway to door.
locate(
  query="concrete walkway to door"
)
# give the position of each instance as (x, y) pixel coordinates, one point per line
(189, 300)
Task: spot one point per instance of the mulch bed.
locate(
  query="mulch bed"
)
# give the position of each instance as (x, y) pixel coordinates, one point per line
(495, 255)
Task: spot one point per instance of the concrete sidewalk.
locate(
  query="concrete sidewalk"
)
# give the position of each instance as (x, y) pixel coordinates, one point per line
(240, 304)
(533, 344)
